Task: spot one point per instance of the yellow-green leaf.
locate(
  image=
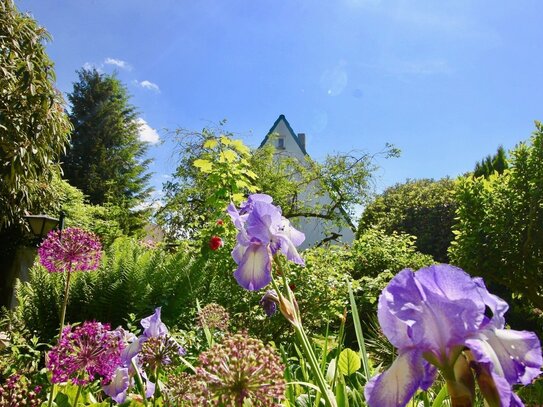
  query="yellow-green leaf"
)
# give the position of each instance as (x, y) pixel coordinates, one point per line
(237, 198)
(204, 165)
(211, 143)
(228, 156)
(240, 147)
(349, 362)
(226, 140)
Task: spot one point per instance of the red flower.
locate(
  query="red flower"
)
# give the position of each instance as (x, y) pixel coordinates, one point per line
(215, 242)
(220, 222)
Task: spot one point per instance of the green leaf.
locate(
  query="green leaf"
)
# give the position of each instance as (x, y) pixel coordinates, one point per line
(204, 165)
(349, 362)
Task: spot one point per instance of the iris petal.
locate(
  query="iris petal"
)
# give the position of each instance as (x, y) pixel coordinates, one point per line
(153, 326)
(515, 355)
(398, 384)
(254, 270)
(118, 386)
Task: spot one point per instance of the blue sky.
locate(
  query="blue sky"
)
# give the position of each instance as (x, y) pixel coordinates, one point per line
(445, 81)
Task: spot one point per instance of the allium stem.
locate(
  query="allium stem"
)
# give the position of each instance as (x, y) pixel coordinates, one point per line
(77, 395)
(304, 340)
(65, 302)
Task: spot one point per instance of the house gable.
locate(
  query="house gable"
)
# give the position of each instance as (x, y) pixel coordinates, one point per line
(292, 142)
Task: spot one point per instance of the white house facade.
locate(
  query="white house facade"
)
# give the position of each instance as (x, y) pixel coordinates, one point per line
(287, 142)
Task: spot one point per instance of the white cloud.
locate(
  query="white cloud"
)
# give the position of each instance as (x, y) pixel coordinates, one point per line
(148, 85)
(118, 63)
(146, 132)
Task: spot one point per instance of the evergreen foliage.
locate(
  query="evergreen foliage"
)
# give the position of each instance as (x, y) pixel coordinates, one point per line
(489, 165)
(34, 131)
(105, 159)
(33, 127)
(423, 208)
(499, 234)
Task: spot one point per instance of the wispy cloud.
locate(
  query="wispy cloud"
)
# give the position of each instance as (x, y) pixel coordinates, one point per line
(118, 63)
(146, 132)
(148, 85)
(90, 66)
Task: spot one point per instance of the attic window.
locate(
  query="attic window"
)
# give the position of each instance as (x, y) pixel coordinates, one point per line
(281, 143)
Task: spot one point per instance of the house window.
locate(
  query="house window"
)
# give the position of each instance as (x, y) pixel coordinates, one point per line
(281, 143)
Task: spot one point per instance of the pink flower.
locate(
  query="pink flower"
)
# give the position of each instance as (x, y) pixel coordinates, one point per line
(70, 250)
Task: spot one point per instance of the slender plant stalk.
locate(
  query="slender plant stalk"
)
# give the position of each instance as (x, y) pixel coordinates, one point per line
(77, 395)
(62, 317)
(65, 302)
(304, 340)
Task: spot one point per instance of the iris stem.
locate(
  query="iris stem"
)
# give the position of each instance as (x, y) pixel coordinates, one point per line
(304, 340)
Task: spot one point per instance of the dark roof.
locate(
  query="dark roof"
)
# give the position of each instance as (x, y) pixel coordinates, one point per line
(294, 136)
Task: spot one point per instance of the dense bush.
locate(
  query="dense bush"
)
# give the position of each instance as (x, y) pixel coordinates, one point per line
(423, 208)
(499, 234)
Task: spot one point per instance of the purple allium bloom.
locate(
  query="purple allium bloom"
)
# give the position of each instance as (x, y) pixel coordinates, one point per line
(85, 353)
(71, 249)
(241, 368)
(269, 302)
(432, 316)
(262, 232)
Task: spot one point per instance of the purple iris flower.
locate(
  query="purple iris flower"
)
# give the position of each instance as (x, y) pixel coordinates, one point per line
(269, 302)
(262, 232)
(435, 314)
(122, 379)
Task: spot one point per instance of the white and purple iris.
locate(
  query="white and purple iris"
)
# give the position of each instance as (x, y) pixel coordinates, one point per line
(122, 379)
(262, 232)
(433, 315)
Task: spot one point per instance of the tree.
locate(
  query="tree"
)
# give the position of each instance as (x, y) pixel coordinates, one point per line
(489, 165)
(33, 127)
(216, 169)
(423, 208)
(106, 158)
(33, 132)
(499, 233)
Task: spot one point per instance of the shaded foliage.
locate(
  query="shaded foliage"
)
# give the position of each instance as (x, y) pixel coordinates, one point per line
(423, 208)
(34, 130)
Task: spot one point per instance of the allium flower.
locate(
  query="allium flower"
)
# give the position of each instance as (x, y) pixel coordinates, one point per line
(242, 368)
(15, 392)
(186, 390)
(213, 316)
(159, 351)
(85, 353)
(215, 243)
(437, 314)
(262, 232)
(71, 249)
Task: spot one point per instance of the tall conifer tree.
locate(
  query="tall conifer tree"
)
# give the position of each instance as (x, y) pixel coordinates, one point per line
(106, 157)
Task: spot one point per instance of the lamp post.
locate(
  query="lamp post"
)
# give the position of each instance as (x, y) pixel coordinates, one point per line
(41, 225)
